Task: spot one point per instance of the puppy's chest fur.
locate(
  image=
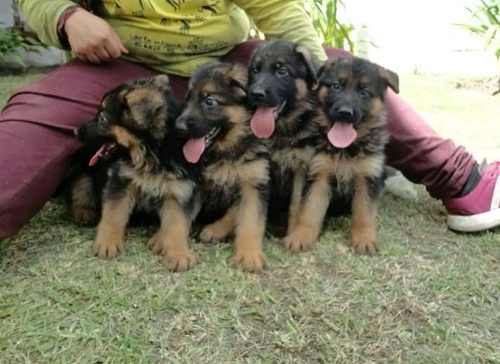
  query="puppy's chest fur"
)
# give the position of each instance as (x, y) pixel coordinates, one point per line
(225, 172)
(289, 154)
(155, 186)
(293, 149)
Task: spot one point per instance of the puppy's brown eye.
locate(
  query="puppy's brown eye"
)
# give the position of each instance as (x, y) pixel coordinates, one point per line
(281, 70)
(336, 85)
(210, 101)
(364, 92)
(254, 70)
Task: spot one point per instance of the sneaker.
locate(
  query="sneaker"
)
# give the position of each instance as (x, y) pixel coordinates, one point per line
(480, 209)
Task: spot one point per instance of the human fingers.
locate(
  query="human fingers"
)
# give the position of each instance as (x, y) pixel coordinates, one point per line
(113, 48)
(102, 54)
(93, 58)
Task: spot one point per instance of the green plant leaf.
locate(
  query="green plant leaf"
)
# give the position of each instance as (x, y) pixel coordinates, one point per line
(485, 23)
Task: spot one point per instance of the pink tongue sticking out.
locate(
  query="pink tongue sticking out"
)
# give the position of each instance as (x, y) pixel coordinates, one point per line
(262, 123)
(341, 135)
(193, 149)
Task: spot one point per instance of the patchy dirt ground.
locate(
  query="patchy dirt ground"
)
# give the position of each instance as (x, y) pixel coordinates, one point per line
(468, 114)
(490, 85)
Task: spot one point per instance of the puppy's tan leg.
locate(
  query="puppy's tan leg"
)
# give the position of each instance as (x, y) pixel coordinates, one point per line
(171, 240)
(364, 216)
(312, 214)
(111, 229)
(296, 199)
(220, 229)
(83, 204)
(250, 228)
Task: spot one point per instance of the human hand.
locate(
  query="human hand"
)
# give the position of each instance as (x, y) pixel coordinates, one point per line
(91, 38)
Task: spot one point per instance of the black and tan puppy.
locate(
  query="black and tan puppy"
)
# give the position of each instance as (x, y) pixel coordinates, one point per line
(146, 173)
(235, 167)
(350, 150)
(281, 79)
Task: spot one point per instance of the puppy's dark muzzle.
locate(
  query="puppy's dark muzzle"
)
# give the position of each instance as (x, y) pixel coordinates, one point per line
(181, 124)
(258, 95)
(345, 113)
(87, 132)
(97, 128)
(187, 125)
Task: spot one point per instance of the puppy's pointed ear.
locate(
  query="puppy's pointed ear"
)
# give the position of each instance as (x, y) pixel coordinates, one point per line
(239, 89)
(126, 99)
(328, 64)
(237, 78)
(114, 102)
(256, 50)
(391, 78)
(309, 62)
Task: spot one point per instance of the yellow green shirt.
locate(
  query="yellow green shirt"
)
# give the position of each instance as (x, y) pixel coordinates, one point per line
(176, 36)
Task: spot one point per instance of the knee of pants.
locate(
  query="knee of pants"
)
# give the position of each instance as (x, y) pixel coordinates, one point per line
(33, 160)
(337, 53)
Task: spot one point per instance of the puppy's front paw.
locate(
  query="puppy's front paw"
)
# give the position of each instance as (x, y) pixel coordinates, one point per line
(250, 261)
(364, 241)
(108, 247)
(301, 239)
(156, 244)
(212, 234)
(180, 260)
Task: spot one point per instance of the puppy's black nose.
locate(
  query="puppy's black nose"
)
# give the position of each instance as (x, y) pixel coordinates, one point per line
(258, 94)
(88, 131)
(181, 124)
(345, 113)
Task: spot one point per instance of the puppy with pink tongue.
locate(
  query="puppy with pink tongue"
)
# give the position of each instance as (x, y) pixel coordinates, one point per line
(282, 76)
(193, 149)
(263, 121)
(350, 150)
(233, 162)
(342, 135)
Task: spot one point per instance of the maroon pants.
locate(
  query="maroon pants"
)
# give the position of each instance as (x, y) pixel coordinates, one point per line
(36, 140)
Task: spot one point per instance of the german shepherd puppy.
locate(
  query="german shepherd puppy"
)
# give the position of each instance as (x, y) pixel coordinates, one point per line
(282, 76)
(350, 149)
(146, 172)
(235, 166)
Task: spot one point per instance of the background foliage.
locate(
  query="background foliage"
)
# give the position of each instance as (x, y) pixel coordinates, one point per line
(326, 19)
(11, 41)
(485, 22)
(15, 39)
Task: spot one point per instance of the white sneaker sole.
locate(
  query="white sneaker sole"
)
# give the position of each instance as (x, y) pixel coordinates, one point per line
(474, 223)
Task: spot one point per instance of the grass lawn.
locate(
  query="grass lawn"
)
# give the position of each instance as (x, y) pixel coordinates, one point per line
(429, 296)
